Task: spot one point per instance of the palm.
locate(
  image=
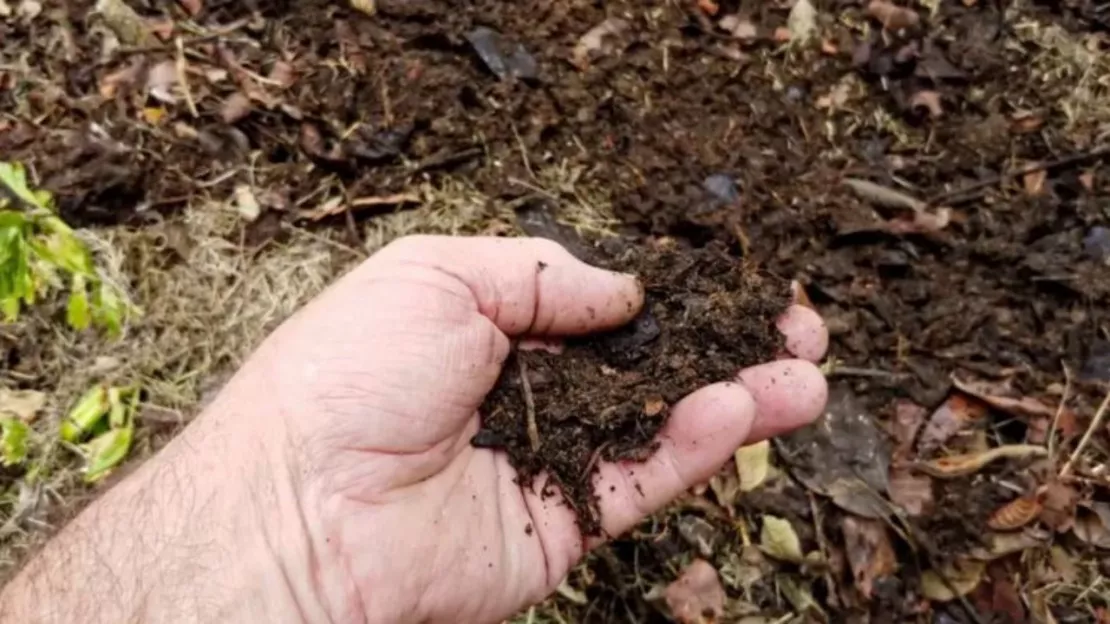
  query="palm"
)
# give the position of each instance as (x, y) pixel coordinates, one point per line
(399, 356)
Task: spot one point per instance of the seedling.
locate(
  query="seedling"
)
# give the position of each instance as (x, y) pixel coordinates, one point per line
(40, 254)
(101, 427)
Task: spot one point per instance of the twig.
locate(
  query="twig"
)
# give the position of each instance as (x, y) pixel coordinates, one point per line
(180, 66)
(1098, 152)
(823, 544)
(1096, 423)
(851, 371)
(1059, 410)
(529, 405)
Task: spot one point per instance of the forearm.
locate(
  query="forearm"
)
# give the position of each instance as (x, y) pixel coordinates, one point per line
(196, 534)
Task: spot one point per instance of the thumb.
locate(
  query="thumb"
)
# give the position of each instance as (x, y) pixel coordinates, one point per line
(525, 286)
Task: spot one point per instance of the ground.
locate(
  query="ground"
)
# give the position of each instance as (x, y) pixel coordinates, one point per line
(933, 175)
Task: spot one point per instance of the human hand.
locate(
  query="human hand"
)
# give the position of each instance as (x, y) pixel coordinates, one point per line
(355, 494)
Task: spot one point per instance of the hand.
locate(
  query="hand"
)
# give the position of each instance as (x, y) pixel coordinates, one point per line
(356, 495)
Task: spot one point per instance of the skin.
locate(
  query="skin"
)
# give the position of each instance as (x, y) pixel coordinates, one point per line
(333, 479)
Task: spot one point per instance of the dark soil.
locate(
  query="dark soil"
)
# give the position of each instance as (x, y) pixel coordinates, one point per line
(692, 135)
(606, 397)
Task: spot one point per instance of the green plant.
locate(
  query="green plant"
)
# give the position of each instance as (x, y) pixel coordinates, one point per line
(40, 254)
(105, 417)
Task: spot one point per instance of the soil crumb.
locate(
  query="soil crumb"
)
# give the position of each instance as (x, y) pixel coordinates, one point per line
(606, 396)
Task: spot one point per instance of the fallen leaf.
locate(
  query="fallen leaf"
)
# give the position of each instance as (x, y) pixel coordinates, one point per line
(971, 463)
(739, 27)
(870, 553)
(844, 455)
(726, 487)
(1034, 181)
(1016, 513)
(928, 100)
(1023, 407)
(963, 577)
(884, 196)
(778, 540)
(699, 534)
(246, 204)
(192, 7)
(283, 74)
(709, 7)
(1059, 501)
(594, 40)
(124, 22)
(161, 81)
(696, 595)
(907, 422)
(999, 545)
(957, 413)
(910, 491)
(800, 597)
(235, 108)
(1004, 599)
(753, 464)
(1092, 524)
(121, 79)
(368, 7)
(802, 21)
(23, 405)
(892, 16)
(1063, 564)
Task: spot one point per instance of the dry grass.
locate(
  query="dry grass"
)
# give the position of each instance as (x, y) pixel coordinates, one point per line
(1075, 70)
(207, 302)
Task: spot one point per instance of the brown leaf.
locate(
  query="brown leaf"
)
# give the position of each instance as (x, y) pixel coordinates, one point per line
(1028, 408)
(594, 40)
(999, 545)
(23, 405)
(1005, 600)
(1059, 500)
(951, 581)
(892, 16)
(957, 413)
(283, 74)
(929, 100)
(908, 418)
(697, 595)
(162, 81)
(192, 7)
(870, 553)
(1016, 513)
(910, 491)
(971, 463)
(235, 108)
(1034, 181)
(1092, 524)
(739, 27)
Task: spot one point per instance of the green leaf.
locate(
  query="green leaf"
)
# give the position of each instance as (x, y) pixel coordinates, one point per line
(77, 311)
(13, 441)
(109, 309)
(89, 411)
(14, 177)
(106, 451)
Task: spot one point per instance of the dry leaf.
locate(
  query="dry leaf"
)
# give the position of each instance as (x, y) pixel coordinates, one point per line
(1004, 598)
(235, 108)
(1034, 181)
(124, 22)
(283, 74)
(870, 553)
(1023, 407)
(699, 534)
(908, 419)
(121, 79)
(964, 577)
(23, 405)
(928, 100)
(971, 463)
(892, 16)
(753, 464)
(1015, 514)
(594, 40)
(1059, 500)
(696, 595)
(999, 545)
(912, 492)
(802, 21)
(883, 196)
(739, 27)
(778, 540)
(954, 415)
(726, 487)
(368, 7)
(161, 82)
(1092, 524)
(246, 204)
(192, 7)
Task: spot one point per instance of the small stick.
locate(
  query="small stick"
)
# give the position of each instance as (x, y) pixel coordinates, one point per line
(1096, 422)
(529, 404)
(1059, 410)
